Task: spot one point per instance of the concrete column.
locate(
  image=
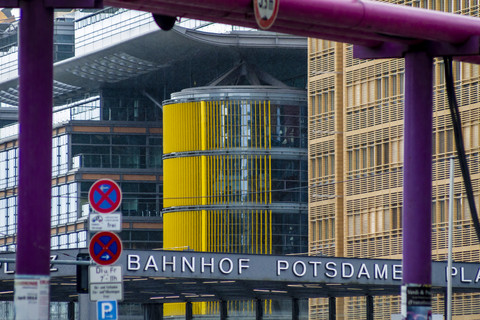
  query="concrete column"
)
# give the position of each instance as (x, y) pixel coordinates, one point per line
(295, 309)
(152, 311)
(188, 311)
(332, 308)
(223, 310)
(71, 310)
(258, 309)
(370, 309)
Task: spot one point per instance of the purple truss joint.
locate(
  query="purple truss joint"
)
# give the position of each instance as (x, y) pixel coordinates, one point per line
(471, 47)
(385, 50)
(9, 3)
(70, 4)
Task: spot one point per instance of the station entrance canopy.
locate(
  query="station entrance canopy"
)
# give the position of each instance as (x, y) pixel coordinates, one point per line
(172, 276)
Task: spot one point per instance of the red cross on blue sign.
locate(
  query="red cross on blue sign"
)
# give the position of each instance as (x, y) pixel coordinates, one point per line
(105, 248)
(105, 196)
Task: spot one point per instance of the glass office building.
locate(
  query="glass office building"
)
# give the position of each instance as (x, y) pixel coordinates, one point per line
(86, 148)
(356, 163)
(235, 169)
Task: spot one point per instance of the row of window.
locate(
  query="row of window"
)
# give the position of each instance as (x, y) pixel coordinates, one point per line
(116, 107)
(386, 219)
(65, 207)
(121, 154)
(140, 199)
(322, 165)
(8, 168)
(116, 151)
(69, 241)
(369, 91)
(323, 102)
(375, 220)
(323, 229)
(379, 154)
(386, 152)
(461, 209)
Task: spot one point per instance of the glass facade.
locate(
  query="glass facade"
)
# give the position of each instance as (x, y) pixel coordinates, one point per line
(125, 105)
(83, 144)
(236, 170)
(63, 44)
(124, 151)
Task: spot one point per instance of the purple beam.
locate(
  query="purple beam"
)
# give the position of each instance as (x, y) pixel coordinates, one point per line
(417, 170)
(368, 16)
(35, 65)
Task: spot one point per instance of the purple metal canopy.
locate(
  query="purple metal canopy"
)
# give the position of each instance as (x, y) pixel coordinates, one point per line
(382, 29)
(354, 21)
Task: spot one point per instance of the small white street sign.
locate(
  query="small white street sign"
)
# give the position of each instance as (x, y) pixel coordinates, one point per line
(105, 274)
(106, 291)
(105, 221)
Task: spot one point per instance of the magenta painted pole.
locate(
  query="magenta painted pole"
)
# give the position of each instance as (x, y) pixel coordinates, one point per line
(417, 175)
(35, 159)
(35, 138)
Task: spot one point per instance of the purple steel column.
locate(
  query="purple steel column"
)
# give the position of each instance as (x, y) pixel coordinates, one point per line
(35, 138)
(417, 184)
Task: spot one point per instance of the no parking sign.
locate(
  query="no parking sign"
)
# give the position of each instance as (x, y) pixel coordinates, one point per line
(105, 248)
(105, 196)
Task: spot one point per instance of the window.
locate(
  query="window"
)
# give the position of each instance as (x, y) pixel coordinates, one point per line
(371, 151)
(434, 213)
(466, 137)
(386, 219)
(441, 209)
(441, 142)
(357, 159)
(458, 207)
(364, 157)
(386, 153)
(373, 225)
(394, 85)
(386, 87)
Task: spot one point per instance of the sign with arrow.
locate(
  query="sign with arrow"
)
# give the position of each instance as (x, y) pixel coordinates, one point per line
(105, 248)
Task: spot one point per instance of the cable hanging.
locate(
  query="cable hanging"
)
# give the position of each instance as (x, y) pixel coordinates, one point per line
(457, 130)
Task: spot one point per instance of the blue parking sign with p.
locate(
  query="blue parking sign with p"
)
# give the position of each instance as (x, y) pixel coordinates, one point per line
(107, 310)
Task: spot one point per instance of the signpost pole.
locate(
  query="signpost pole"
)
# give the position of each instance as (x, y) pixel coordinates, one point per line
(417, 178)
(450, 242)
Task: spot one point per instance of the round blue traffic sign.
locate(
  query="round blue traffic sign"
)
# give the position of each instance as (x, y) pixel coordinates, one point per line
(105, 196)
(105, 248)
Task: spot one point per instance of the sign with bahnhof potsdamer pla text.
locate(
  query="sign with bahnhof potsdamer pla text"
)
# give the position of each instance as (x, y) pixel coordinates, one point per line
(295, 269)
(298, 269)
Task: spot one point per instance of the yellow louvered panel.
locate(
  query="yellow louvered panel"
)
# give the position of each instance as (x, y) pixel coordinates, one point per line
(184, 230)
(182, 127)
(182, 178)
(239, 231)
(178, 309)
